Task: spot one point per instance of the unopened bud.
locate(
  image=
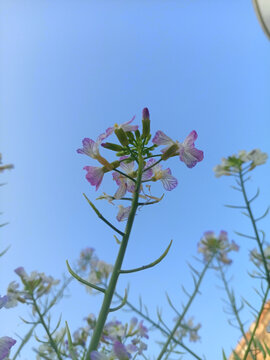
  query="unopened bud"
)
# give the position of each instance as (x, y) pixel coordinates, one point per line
(122, 137)
(145, 123)
(170, 152)
(111, 146)
(145, 114)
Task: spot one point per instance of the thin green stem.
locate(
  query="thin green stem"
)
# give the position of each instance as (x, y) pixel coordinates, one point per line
(42, 321)
(117, 267)
(149, 167)
(126, 175)
(254, 227)
(257, 323)
(233, 305)
(195, 291)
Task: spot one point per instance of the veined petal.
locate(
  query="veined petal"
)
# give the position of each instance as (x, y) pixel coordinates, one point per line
(127, 127)
(190, 156)
(189, 140)
(121, 190)
(5, 345)
(123, 213)
(162, 139)
(169, 182)
(88, 148)
(94, 175)
(127, 167)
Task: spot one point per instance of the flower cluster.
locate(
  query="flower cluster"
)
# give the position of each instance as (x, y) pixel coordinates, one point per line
(36, 284)
(187, 328)
(234, 164)
(132, 145)
(116, 335)
(257, 258)
(210, 245)
(99, 270)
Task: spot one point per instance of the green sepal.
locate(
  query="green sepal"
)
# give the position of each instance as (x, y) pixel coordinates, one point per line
(111, 146)
(137, 134)
(122, 137)
(170, 152)
(146, 128)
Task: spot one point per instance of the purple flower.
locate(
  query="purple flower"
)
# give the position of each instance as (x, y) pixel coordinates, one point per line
(169, 182)
(3, 301)
(125, 126)
(97, 356)
(143, 330)
(186, 150)
(125, 184)
(91, 148)
(123, 213)
(120, 351)
(94, 175)
(20, 271)
(5, 345)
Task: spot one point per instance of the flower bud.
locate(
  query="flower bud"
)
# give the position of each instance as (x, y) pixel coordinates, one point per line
(111, 146)
(145, 123)
(170, 152)
(122, 137)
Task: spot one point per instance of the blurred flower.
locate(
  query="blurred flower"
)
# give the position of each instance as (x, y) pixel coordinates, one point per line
(188, 329)
(86, 259)
(123, 213)
(186, 150)
(257, 258)
(169, 182)
(3, 301)
(100, 272)
(233, 164)
(6, 344)
(210, 245)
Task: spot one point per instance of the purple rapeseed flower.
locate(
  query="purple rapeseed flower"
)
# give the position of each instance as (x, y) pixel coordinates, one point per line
(125, 126)
(94, 175)
(186, 150)
(169, 182)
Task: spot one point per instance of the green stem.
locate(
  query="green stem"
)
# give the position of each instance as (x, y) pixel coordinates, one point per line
(117, 267)
(257, 323)
(254, 227)
(196, 289)
(52, 342)
(233, 306)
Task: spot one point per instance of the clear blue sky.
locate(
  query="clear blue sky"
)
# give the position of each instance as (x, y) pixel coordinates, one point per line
(70, 69)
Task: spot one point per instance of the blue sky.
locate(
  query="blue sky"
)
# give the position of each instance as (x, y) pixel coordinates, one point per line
(69, 70)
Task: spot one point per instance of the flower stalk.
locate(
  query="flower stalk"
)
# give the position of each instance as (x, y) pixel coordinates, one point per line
(105, 308)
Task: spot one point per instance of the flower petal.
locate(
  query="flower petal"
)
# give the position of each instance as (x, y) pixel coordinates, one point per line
(162, 139)
(5, 345)
(94, 175)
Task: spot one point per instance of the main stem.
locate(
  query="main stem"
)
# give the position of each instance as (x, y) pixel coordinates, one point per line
(117, 266)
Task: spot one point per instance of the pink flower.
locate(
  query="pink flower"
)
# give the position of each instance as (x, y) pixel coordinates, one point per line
(94, 175)
(125, 184)
(169, 182)
(120, 351)
(125, 126)
(186, 150)
(123, 213)
(91, 148)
